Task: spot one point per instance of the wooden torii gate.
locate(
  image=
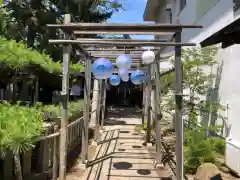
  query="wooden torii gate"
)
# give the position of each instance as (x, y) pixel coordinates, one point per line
(74, 30)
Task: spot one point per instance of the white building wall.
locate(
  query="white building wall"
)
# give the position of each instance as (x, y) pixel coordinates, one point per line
(219, 16)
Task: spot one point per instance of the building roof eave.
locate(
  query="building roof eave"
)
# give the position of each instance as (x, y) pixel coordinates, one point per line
(228, 36)
(150, 10)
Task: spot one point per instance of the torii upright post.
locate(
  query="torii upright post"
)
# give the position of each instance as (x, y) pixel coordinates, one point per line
(104, 94)
(148, 105)
(178, 110)
(87, 92)
(64, 93)
(158, 110)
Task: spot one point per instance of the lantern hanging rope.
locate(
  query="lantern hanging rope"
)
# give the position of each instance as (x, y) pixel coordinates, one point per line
(102, 68)
(114, 80)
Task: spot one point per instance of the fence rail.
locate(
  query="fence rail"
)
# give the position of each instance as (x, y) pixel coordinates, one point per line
(42, 161)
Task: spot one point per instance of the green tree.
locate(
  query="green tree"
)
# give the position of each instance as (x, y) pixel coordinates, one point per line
(28, 19)
(198, 78)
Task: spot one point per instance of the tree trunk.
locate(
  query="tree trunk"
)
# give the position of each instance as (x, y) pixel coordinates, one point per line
(17, 166)
(191, 111)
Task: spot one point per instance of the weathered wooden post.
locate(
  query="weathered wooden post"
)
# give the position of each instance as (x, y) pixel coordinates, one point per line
(36, 96)
(178, 110)
(104, 95)
(98, 117)
(148, 104)
(144, 109)
(55, 153)
(146, 100)
(95, 99)
(65, 94)
(158, 110)
(153, 99)
(87, 93)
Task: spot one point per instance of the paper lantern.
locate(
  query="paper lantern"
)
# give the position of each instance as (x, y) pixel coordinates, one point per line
(137, 77)
(102, 68)
(114, 80)
(125, 78)
(148, 57)
(123, 72)
(124, 61)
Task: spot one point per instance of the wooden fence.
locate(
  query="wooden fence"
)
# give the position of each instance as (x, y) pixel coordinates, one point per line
(41, 163)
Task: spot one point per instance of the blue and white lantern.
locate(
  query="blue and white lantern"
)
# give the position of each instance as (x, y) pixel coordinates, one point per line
(114, 80)
(102, 68)
(123, 72)
(125, 78)
(137, 77)
(124, 61)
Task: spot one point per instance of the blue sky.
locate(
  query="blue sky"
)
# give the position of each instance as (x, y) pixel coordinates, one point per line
(133, 13)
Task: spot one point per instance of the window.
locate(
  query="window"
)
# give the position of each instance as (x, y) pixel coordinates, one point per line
(182, 4)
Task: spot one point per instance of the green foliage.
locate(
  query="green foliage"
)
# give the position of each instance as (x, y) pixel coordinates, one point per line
(15, 55)
(196, 154)
(218, 144)
(198, 146)
(54, 111)
(19, 125)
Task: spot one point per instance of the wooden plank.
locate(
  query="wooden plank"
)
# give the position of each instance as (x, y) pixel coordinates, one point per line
(120, 32)
(132, 28)
(100, 41)
(119, 40)
(122, 50)
(115, 56)
(27, 163)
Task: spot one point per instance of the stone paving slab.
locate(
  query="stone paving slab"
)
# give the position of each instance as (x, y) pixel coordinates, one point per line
(123, 158)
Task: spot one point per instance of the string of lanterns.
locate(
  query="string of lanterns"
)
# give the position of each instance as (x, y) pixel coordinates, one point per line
(102, 68)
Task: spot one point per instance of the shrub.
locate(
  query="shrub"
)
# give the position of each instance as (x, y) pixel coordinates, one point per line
(218, 144)
(54, 111)
(19, 125)
(197, 150)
